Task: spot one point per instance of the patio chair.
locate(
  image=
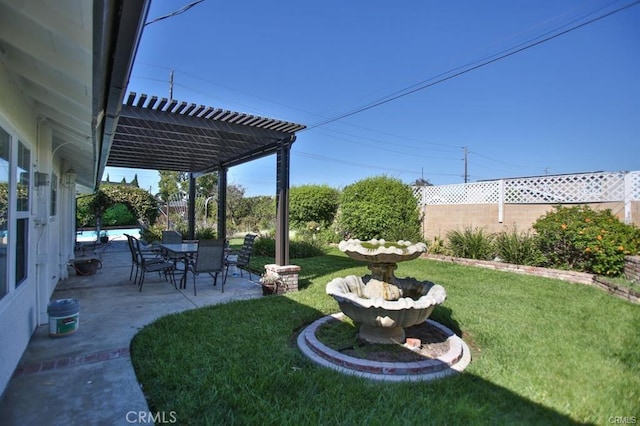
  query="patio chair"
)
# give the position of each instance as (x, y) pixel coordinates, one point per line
(209, 259)
(150, 254)
(243, 255)
(146, 264)
(172, 237)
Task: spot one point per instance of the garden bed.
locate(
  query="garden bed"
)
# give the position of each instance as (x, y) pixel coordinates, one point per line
(610, 286)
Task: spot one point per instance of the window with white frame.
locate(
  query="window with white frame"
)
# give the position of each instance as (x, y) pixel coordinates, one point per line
(54, 195)
(5, 157)
(23, 170)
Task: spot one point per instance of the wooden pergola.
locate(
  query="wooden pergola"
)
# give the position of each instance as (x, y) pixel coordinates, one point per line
(163, 134)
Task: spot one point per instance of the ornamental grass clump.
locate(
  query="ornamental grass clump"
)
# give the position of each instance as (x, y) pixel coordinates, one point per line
(471, 243)
(518, 248)
(583, 239)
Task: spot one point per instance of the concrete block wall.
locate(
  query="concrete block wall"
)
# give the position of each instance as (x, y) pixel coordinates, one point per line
(438, 220)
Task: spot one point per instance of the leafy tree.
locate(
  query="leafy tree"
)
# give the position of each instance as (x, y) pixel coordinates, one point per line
(171, 183)
(422, 182)
(237, 209)
(100, 202)
(379, 207)
(134, 182)
(313, 203)
(207, 185)
(262, 213)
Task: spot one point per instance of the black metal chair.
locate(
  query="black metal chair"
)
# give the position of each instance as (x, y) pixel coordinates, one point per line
(243, 255)
(146, 264)
(209, 259)
(150, 255)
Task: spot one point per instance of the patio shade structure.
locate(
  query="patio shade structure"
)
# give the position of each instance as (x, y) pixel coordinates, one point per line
(164, 134)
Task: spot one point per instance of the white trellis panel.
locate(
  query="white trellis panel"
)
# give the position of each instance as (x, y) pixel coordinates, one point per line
(575, 188)
(469, 193)
(633, 193)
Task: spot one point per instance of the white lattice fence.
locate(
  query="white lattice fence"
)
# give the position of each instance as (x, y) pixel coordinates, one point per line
(577, 188)
(469, 193)
(600, 187)
(580, 188)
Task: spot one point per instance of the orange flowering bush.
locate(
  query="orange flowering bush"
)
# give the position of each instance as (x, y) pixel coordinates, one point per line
(583, 239)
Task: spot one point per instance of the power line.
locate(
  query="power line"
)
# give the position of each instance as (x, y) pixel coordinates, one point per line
(175, 13)
(413, 89)
(367, 166)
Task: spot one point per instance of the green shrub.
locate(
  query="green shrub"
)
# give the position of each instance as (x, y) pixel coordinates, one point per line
(140, 203)
(519, 248)
(379, 207)
(471, 243)
(206, 234)
(437, 246)
(151, 234)
(266, 247)
(118, 215)
(312, 203)
(583, 239)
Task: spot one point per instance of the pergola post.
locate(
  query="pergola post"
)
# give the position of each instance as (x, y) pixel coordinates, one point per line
(222, 202)
(191, 211)
(282, 201)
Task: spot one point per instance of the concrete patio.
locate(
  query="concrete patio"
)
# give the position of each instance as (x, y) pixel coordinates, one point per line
(87, 377)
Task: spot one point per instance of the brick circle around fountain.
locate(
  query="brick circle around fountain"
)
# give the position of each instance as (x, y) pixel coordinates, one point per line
(453, 361)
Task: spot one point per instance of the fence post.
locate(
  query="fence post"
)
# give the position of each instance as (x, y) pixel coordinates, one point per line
(501, 201)
(628, 192)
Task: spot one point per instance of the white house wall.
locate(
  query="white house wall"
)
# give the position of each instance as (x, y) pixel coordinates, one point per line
(23, 308)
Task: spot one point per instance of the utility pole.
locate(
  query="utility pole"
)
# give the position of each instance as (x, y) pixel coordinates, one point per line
(171, 86)
(466, 162)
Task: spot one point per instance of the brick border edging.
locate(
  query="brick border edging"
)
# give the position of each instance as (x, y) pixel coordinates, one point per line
(570, 276)
(72, 361)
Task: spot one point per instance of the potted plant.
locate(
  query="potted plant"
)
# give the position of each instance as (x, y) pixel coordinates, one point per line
(104, 238)
(86, 265)
(271, 283)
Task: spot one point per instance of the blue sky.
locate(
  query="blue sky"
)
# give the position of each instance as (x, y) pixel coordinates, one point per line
(567, 105)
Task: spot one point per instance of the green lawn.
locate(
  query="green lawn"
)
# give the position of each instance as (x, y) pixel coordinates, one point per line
(544, 352)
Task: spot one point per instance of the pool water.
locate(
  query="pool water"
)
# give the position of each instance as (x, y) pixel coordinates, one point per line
(113, 234)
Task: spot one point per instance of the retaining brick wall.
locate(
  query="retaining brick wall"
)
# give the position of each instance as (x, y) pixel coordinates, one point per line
(571, 276)
(632, 268)
(631, 262)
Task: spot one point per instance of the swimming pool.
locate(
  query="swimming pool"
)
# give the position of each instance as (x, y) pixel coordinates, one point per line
(113, 234)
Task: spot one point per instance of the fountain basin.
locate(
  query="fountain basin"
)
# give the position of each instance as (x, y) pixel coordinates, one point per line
(383, 321)
(380, 251)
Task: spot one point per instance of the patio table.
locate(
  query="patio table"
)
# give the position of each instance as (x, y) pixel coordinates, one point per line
(184, 250)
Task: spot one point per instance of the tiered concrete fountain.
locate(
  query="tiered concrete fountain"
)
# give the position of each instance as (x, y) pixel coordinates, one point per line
(383, 306)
